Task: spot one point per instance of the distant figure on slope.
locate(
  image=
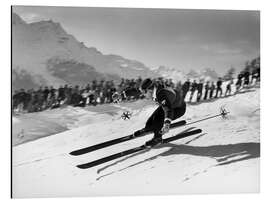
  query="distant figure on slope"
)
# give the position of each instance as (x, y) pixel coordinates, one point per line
(246, 79)
(229, 88)
(171, 106)
(219, 89)
(200, 89)
(186, 87)
(192, 90)
(207, 88)
(212, 89)
(255, 75)
(239, 81)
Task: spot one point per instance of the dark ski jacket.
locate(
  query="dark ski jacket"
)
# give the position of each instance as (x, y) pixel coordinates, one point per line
(200, 87)
(169, 99)
(219, 83)
(193, 86)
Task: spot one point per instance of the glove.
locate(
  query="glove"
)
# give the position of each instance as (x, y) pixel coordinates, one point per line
(166, 127)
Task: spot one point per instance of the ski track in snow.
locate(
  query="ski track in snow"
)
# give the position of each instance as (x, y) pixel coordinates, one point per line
(224, 158)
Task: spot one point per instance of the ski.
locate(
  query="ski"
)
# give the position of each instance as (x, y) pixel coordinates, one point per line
(117, 141)
(136, 149)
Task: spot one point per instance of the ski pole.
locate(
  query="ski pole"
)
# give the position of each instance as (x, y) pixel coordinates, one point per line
(223, 113)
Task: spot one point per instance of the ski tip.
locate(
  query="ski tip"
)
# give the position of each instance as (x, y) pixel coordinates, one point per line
(83, 166)
(200, 130)
(197, 131)
(74, 153)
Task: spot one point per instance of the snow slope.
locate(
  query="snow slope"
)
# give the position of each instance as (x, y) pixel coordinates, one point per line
(224, 158)
(32, 126)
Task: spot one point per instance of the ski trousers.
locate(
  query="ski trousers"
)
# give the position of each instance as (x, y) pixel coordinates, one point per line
(156, 120)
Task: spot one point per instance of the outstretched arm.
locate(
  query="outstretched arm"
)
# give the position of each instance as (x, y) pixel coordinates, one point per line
(168, 116)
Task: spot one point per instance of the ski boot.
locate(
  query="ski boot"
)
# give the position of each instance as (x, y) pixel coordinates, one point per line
(154, 142)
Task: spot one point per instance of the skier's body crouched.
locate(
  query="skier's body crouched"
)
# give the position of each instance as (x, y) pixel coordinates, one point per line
(171, 106)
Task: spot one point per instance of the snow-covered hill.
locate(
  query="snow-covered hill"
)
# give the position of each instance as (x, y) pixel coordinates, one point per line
(44, 52)
(224, 158)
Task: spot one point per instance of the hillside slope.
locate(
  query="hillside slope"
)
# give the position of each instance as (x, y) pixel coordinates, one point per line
(224, 158)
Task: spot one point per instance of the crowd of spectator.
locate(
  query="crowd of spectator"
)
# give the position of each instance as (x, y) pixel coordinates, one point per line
(96, 92)
(101, 92)
(209, 90)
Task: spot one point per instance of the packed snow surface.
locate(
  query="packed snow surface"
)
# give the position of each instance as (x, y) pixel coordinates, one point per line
(224, 158)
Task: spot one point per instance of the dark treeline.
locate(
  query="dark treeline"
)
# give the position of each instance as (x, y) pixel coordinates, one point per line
(101, 92)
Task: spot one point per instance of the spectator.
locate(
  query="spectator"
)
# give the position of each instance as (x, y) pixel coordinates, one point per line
(200, 89)
(207, 88)
(15, 99)
(193, 89)
(27, 100)
(99, 92)
(219, 89)
(40, 99)
(246, 78)
(239, 81)
(61, 93)
(229, 88)
(212, 89)
(186, 87)
(255, 75)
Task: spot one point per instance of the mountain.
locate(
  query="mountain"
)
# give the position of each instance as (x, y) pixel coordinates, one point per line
(43, 53)
(206, 74)
(178, 75)
(209, 74)
(172, 73)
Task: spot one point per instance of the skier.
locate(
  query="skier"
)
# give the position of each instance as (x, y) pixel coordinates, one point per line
(171, 106)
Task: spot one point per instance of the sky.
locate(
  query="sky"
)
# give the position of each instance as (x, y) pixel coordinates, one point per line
(181, 39)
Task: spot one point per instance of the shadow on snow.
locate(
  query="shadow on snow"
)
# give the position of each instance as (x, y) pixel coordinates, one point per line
(223, 154)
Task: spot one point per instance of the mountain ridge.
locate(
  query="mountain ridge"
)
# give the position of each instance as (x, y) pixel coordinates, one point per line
(39, 48)
(43, 53)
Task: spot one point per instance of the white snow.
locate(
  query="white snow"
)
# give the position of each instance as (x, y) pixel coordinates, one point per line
(15, 120)
(224, 158)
